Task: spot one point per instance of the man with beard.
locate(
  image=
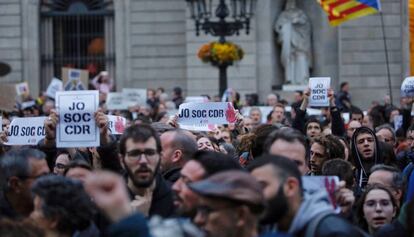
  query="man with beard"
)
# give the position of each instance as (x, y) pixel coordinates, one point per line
(288, 209)
(140, 150)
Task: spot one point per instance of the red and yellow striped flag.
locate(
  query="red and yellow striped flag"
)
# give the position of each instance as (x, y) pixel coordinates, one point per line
(340, 11)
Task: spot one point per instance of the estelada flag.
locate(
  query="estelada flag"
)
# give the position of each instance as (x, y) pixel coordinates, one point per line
(340, 11)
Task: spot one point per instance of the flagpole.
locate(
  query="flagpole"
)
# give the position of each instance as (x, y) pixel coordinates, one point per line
(386, 57)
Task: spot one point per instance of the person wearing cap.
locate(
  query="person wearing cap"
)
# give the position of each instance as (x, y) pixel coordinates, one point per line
(230, 204)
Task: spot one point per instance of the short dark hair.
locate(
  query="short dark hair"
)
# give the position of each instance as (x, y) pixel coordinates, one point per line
(287, 134)
(185, 143)
(341, 168)
(10, 228)
(78, 163)
(355, 110)
(397, 178)
(332, 146)
(138, 133)
(16, 163)
(343, 84)
(283, 166)
(66, 201)
(313, 119)
(214, 162)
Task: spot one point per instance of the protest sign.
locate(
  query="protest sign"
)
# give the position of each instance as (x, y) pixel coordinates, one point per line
(26, 131)
(8, 96)
(54, 86)
(200, 128)
(133, 96)
(75, 79)
(116, 100)
(22, 89)
(206, 113)
(398, 121)
(77, 127)
(319, 91)
(313, 184)
(27, 104)
(116, 124)
(195, 99)
(407, 87)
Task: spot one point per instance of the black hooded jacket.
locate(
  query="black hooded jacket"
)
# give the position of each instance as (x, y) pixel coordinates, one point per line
(363, 166)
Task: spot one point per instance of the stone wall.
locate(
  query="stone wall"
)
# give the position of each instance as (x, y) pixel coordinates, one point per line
(11, 38)
(362, 54)
(157, 43)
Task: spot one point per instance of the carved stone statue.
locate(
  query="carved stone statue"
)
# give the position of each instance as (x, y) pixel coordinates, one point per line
(294, 34)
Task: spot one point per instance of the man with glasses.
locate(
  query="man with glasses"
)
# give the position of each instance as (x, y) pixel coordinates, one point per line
(18, 170)
(230, 204)
(140, 150)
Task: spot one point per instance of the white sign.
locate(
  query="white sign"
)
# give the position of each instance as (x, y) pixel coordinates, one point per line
(407, 87)
(199, 114)
(195, 99)
(116, 124)
(398, 121)
(319, 91)
(28, 104)
(116, 101)
(313, 184)
(201, 128)
(54, 86)
(74, 80)
(22, 88)
(135, 96)
(26, 131)
(77, 127)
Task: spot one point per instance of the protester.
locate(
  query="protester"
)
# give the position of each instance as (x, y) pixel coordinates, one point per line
(204, 164)
(287, 206)
(62, 207)
(324, 148)
(230, 205)
(19, 169)
(291, 144)
(376, 208)
(177, 148)
(140, 150)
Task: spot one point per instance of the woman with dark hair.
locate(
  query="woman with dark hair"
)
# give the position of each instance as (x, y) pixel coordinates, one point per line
(376, 208)
(61, 206)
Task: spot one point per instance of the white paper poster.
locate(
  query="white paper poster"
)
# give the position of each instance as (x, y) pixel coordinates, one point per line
(116, 101)
(134, 96)
(313, 184)
(54, 86)
(195, 99)
(22, 88)
(26, 131)
(407, 87)
(77, 127)
(319, 91)
(116, 124)
(206, 113)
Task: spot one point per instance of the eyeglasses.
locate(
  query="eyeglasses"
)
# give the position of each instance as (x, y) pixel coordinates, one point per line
(137, 154)
(374, 204)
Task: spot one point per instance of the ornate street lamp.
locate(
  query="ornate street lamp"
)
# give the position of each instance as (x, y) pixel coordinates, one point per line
(240, 13)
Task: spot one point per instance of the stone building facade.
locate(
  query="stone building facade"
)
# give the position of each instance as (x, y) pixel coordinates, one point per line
(154, 45)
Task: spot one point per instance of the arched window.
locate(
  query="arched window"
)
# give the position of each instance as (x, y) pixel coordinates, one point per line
(76, 34)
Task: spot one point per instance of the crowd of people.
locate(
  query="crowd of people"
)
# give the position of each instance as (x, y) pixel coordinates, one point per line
(243, 179)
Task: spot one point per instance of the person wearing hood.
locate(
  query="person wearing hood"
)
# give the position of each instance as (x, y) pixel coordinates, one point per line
(289, 210)
(365, 151)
